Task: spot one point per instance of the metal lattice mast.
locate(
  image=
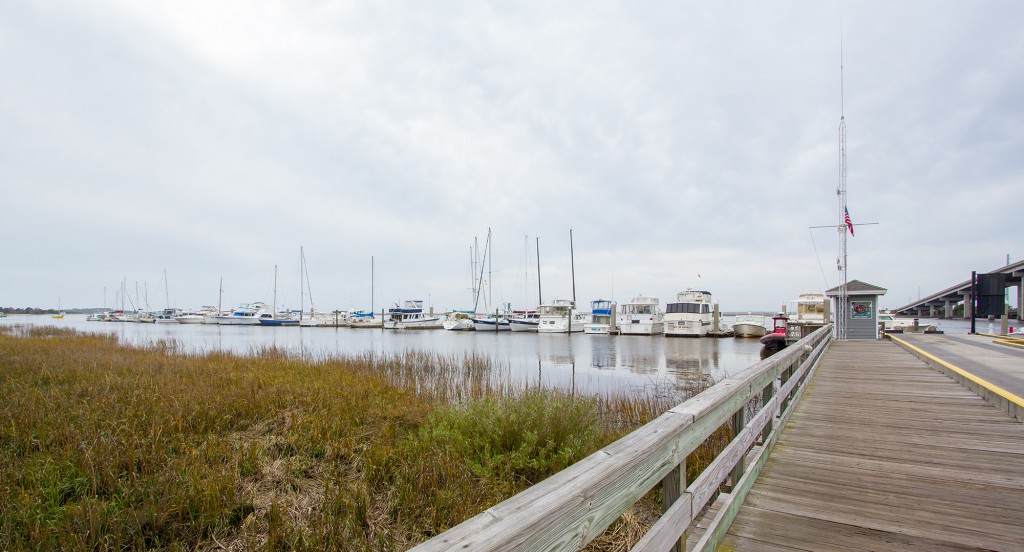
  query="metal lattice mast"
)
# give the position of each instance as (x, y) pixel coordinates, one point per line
(842, 302)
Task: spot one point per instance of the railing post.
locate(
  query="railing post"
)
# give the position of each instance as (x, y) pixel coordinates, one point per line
(766, 397)
(784, 405)
(739, 420)
(672, 487)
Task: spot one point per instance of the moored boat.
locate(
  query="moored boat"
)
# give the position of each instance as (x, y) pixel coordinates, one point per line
(195, 316)
(458, 321)
(524, 321)
(690, 315)
(364, 319)
(560, 316)
(410, 316)
(491, 323)
(777, 339)
(244, 315)
(602, 318)
(642, 315)
(167, 316)
(749, 325)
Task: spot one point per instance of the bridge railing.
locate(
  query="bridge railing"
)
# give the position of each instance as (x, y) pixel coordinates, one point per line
(571, 508)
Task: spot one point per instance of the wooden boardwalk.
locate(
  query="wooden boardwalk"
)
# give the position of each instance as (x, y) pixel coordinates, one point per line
(885, 453)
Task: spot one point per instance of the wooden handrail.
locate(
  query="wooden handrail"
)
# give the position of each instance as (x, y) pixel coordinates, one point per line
(571, 508)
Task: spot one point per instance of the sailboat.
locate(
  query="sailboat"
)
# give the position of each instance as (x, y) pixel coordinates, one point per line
(168, 315)
(561, 315)
(528, 320)
(461, 320)
(314, 318)
(60, 312)
(274, 318)
(489, 322)
(363, 319)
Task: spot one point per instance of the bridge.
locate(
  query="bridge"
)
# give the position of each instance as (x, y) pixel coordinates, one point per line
(837, 445)
(940, 305)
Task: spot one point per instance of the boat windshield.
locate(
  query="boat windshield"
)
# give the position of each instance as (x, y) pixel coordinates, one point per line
(687, 308)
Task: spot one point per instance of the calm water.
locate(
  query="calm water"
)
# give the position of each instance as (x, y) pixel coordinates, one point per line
(587, 363)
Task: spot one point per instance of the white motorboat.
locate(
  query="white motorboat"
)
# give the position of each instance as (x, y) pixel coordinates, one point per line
(458, 321)
(196, 316)
(410, 316)
(642, 315)
(690, 315)
(602, 318)
(560, 316)
(749, 325)
(244, 315)
(166, 317)
(524, 321)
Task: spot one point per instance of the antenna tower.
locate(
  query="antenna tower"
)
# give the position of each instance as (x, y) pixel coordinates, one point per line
(842, 302)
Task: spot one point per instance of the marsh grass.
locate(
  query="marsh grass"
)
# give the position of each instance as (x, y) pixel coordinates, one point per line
(106, 446)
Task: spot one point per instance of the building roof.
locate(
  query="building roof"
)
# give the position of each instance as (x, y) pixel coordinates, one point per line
(856, 287)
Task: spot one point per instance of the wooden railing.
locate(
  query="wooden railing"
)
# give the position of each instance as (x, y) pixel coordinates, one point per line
(571, 508)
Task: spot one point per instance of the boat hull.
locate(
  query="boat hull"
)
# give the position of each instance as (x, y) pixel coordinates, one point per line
(460, 325)
(523, 326)
(686, 328)
(238, 320)
(744, 329)
(561, 325)
(269, 322)
(484, 325)
(637, 327)
(597, 329)
(420, 324)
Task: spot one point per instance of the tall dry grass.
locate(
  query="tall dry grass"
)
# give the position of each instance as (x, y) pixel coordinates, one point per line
(113, 447)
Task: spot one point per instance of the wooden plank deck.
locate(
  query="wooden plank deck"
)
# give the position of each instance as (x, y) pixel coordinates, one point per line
(885, 453)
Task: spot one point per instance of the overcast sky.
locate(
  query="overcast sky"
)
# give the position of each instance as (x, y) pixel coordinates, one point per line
(687, 144)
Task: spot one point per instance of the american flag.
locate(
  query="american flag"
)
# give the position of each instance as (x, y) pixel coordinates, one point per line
(846, 219)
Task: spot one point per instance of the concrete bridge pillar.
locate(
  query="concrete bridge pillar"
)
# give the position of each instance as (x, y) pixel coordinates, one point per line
(968, 311)
(931, 311)
(947, 312)
(1020, 299)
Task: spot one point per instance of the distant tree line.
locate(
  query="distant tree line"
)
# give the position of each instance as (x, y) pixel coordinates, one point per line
(34, 310)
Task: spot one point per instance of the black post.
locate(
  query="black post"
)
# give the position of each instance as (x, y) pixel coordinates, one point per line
(974, 299)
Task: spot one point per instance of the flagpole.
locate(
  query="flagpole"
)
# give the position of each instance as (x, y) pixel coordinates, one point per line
(843, 297)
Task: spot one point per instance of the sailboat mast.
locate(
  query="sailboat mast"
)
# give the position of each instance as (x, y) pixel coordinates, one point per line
(540, 296)
(275, 291)
(371, 285)
(572, 267)
(167, 295)
(490, 273)
(220, 297)
(479, 289)
(302, 291)
(526, 270)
